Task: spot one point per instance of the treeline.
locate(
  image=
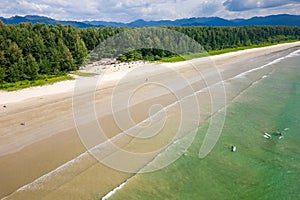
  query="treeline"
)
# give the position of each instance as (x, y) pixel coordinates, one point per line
(28, 51)
(218, 38)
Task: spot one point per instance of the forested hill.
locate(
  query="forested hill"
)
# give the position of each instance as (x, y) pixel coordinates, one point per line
(28, 51)
(282, 20)
(34, 19)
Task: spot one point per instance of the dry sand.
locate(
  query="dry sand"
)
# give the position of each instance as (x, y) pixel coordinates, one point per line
(49, 138)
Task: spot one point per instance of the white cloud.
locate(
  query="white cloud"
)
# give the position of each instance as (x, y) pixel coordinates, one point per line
(33, 7)
(129, 10)
(208, 7)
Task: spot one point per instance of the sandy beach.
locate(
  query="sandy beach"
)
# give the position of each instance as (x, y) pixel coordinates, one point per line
(38, 132)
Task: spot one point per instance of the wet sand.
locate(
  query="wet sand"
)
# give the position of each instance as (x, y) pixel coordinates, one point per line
(49, 138)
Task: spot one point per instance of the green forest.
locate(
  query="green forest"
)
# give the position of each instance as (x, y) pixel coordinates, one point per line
(30, 52)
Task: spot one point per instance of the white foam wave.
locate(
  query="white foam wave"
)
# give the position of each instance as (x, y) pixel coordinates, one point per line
(293, 54)
(108, 195)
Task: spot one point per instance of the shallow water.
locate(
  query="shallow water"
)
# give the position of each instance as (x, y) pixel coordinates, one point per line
(261, 168)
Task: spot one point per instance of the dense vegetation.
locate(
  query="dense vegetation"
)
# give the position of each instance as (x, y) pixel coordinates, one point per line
(31, 52)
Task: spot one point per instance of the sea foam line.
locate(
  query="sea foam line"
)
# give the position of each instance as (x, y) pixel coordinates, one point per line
(293, 54)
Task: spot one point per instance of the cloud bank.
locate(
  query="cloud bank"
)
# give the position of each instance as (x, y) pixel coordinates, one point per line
(130, 10)
(242, 5)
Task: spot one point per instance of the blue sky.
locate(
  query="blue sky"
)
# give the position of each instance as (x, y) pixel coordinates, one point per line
(130, 10)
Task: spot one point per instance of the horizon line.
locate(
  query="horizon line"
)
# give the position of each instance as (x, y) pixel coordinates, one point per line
(140, 19)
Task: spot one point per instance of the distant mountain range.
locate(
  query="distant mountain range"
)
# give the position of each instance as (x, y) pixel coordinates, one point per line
(40, 19)
(283, 19)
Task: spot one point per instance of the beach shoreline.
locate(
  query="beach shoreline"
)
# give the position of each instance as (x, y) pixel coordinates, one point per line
(50, 126)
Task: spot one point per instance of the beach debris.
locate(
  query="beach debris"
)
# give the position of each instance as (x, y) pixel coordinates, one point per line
(4, 106)
(146, 79)
(22, 123)
(267, 135)
(233, 148)
(280, 135)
